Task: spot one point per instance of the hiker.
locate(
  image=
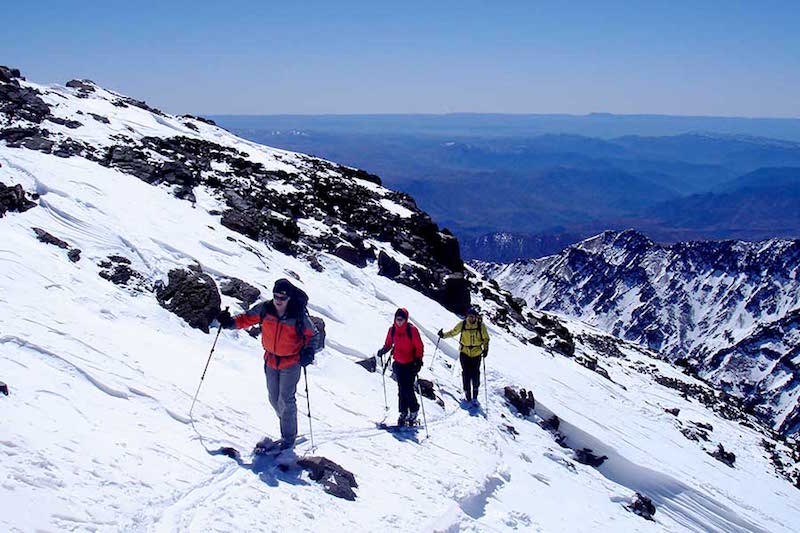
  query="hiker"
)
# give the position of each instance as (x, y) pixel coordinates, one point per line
(289, 339)
(408, 350)
(474, 343)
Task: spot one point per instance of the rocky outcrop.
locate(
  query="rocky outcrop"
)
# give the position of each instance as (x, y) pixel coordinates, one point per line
(3, 388)
(190, 294)
(118, 271)
(337, 481)
(241, 290)
(388, 266)
(14, 199)
(523, 401)
(643, 506)
(18, 102)
(723, 456)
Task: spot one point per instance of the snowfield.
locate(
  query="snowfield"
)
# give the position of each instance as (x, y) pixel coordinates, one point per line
(95, 433)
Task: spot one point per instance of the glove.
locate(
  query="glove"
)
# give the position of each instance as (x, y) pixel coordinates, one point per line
(417, 365)
(440, 333)
(485, 352)
(225, 319)
(306, 356)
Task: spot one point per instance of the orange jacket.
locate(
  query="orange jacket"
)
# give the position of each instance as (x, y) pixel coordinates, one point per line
(406, 348)
(279, 336)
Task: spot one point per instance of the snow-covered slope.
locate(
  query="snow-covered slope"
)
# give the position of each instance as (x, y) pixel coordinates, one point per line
(703, 303)
(95, 431)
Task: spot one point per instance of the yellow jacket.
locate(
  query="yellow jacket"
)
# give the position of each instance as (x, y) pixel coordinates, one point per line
(473, 340)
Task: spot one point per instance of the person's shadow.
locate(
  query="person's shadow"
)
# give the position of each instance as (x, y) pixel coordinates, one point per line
(266, 467)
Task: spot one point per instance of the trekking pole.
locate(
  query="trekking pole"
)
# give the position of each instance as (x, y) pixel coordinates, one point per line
(219, 330)
(383, 377)
(422, 405)
(435, 352)
(308, 402)
(485, 388)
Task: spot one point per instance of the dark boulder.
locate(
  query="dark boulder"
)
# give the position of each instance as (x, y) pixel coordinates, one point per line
(100, 118)
(74, 255)
(455, 295)
(190, 294)
(724, 456)
(83, 86)
(523, 401)
(336, 480)
(14, 199)
(551, 424)
(425, 388)
(47, 238)
(673, 411)
(388, 266)
(242, 291)
(117, 270)
(349, 253)
(587, 457)
(643, 506)
(19, 102)
(368, 363)
(71, 124)
(3, 388)
(246, 223)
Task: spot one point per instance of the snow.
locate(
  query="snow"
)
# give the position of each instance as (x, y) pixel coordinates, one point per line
(395, 208)
(97, 435)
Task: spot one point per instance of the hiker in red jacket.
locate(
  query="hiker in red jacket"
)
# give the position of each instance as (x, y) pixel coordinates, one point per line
(289, 339)
(404, 339)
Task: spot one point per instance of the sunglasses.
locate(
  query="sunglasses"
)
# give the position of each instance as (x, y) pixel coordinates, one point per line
(279, 297)
(400, 318)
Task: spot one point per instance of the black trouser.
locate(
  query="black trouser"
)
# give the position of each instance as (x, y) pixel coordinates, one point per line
(407, 400)
(471, 375)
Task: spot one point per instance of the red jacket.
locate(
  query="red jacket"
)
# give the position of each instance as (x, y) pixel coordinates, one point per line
(406, 348)
(279, 336)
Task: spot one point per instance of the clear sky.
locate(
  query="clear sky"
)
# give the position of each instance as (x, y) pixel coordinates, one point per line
(735, 58)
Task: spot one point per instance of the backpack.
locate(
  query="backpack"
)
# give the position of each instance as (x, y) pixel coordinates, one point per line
(464, 328)
(298, 308)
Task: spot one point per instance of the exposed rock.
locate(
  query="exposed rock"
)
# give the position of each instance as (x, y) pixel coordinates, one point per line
(350, 254)
(117, 270)
(587, 457)
(83, 86)
(674, 411)
(47, 238)
(368, 363)
(336, 480)
(511, 430)
(523, 401)
(721, 455)
(425, 388)
(14, 199)
(3, 386)
(242, 291)
(551, 424)
(192, 295)
(200, 119)
(100, 118)
(387, 265)
(19, 102)
(456, 294)
(643, 506)
(74, 255)
(71, 124)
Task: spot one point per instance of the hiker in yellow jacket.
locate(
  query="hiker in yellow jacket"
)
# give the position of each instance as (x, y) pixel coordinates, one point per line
(474, 343)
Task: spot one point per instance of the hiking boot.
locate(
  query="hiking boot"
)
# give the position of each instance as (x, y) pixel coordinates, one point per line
(412, 419)
(401, 420)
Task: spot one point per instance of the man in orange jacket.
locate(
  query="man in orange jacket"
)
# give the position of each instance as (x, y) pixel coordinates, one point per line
(289, 339)
(408, 350)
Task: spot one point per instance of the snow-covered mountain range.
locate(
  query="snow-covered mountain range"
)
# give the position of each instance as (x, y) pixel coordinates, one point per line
(124, 229)
(727, 310)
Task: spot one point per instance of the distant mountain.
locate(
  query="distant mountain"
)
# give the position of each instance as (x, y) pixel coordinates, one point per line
(509, 178)
(508, 247)
(728, 309)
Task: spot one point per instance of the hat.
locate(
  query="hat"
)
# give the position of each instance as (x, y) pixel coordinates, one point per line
(283, 286)
(402, 312)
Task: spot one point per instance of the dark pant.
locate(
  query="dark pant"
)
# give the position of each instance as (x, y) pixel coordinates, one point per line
(471, 375)
(281, 387)
(407, 399)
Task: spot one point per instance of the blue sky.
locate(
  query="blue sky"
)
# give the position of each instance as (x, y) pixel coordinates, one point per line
(689, 58)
